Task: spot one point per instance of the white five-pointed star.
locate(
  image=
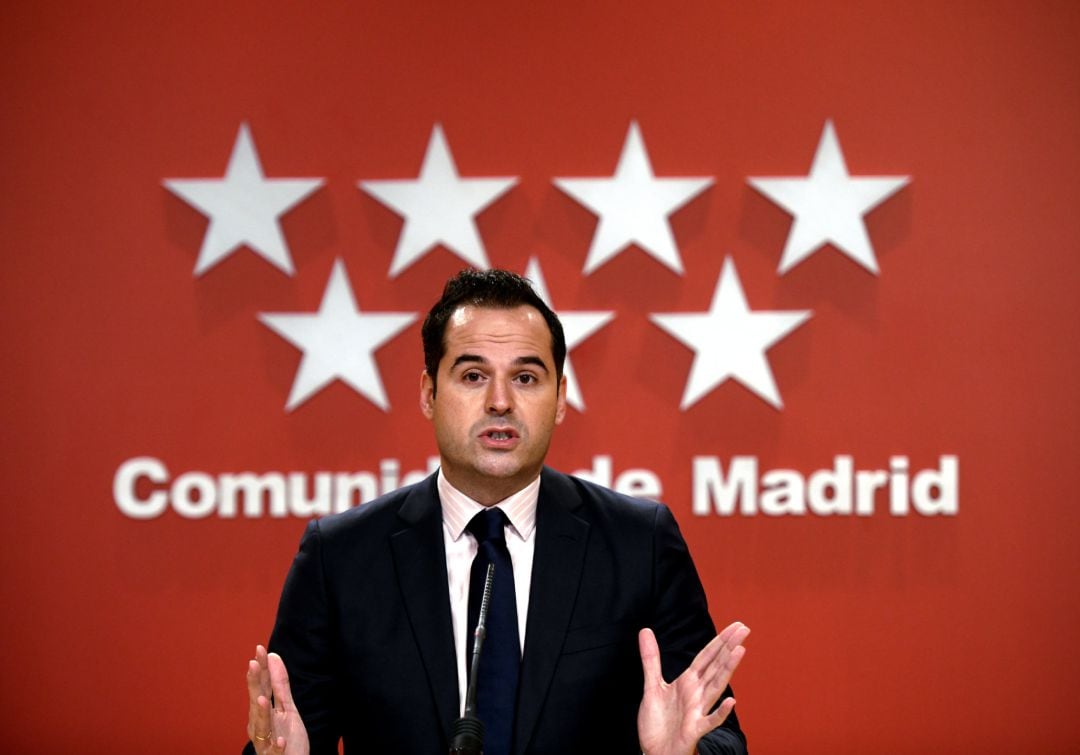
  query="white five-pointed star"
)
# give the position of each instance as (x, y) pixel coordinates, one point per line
(339, 341)
(633, 206)
(730, 341)
(243, 207)
(438, 207)
(577, 326)
(828, 205)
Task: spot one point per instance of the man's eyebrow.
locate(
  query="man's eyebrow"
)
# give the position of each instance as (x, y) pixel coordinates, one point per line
(532, 360)
(477, 359)
(468, 358)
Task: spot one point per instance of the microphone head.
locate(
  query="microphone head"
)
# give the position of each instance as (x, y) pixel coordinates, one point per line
(467, 736)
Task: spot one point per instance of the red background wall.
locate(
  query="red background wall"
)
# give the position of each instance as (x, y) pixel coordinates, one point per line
(874, 634)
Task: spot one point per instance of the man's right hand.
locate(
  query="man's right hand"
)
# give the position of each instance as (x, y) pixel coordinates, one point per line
(277, 730)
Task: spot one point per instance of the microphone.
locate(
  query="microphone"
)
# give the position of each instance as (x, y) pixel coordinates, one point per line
(467, 733)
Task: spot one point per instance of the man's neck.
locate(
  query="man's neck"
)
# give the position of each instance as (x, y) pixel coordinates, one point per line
(491, 492)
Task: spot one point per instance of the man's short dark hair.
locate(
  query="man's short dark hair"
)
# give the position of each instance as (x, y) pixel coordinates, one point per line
(491, 289)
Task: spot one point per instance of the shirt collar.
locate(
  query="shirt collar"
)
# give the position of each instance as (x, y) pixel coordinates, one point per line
(458, 508)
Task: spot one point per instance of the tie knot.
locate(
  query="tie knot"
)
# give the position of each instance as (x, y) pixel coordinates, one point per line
(488, 525)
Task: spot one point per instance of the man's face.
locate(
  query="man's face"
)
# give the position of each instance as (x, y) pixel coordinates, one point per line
(498, 400)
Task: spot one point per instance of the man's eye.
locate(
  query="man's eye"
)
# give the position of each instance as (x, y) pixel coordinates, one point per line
(526, 378)
(471, 377)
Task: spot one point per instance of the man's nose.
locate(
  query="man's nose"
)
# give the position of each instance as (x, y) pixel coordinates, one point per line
(499, 397)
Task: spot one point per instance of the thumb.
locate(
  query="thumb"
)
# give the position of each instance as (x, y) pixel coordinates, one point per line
(650, 658)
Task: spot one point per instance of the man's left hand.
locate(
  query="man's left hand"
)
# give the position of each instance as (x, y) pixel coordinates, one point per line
(673, 717)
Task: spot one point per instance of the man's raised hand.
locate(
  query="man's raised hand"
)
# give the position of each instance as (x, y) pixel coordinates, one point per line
(673, 717)
(273, 730)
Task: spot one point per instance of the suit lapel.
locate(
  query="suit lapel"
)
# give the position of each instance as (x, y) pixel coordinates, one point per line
(420, 561)
(561, 538)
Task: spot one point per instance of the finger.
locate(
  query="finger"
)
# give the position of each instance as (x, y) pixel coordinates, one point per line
(650, 658)
(734, 634)
(721, 673)
(718, 646)
(258, 707)
(258, 719)
(253, 685)
(714, 656)
(279, 680)
(260, 726)
(264, 671)
(732, 639)
(707, 656)
(739, 633)
(719, 715)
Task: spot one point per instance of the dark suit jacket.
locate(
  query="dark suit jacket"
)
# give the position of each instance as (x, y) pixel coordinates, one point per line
(364, 624)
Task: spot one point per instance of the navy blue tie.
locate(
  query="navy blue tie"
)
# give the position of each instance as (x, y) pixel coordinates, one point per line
(500, 659)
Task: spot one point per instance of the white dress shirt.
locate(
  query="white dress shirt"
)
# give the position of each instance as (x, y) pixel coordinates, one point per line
(457, 510)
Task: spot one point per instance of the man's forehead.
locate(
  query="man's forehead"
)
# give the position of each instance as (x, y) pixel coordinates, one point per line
(524, 320)
(465, 313)
(520, 328)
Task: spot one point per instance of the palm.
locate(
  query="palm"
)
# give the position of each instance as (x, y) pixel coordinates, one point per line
(673, 717)
(287, 723)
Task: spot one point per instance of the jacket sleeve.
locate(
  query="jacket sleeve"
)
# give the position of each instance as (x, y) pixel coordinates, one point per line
(682, 624)
(304, 638)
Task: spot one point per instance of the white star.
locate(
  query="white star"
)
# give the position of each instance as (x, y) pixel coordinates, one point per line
(828, 205)
(339, 341)
(633, 206)
(730, 341)
(438, 207)
(577, 326)
(243, 207)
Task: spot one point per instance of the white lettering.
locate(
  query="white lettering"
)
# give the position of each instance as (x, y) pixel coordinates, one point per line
(364, 484)
(419, 474)
(640, 483)
(600, 472)
(194, 495)
(944, 481)
(839, 481)
(126, 480)
(254, 490)
(898, 487)
(389, 469)
(318, 504)
(712, 492)
(142, 490)
(867, 483)
(840, 490)
(783, 492)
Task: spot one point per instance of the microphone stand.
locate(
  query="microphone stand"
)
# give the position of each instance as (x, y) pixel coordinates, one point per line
(467, 733)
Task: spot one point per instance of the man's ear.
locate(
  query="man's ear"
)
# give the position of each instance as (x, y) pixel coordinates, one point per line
(560, 406)
(427, 395)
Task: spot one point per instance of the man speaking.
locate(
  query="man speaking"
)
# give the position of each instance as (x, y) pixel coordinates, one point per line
(593, 604)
